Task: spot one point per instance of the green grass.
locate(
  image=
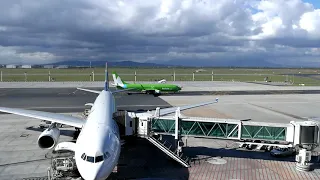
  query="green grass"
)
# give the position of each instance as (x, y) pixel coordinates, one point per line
(153, 74)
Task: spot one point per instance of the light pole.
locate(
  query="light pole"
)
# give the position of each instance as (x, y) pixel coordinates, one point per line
(212, 76)
(135, 76)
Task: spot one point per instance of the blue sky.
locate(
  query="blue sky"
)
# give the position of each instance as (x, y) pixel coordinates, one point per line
(316, 3)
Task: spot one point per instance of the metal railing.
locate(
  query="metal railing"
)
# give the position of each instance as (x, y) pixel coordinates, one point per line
(136, 76)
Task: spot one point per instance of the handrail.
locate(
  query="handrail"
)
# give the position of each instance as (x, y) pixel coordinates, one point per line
(168, 151)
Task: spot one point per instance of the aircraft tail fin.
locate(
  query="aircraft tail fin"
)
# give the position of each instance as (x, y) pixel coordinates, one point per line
(117, 80)
(106, 84)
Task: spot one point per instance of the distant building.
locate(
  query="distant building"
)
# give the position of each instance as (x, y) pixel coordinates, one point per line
(200, 70)
(62, 67)
(26, 66)
(48, 66)
(11, 66)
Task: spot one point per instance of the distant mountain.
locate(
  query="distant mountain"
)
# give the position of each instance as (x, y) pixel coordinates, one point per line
(111, 64)
(241, 63)
(222, 63)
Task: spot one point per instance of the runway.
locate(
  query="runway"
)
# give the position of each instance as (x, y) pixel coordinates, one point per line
(248, 92)
(64, 100)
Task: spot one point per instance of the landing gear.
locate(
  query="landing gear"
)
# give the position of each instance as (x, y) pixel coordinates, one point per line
(154, 93)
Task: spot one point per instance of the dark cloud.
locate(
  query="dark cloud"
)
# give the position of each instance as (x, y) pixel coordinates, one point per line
(193, 32)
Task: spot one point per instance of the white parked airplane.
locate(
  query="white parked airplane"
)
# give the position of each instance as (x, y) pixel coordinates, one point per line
(98, 146)
(162, 81)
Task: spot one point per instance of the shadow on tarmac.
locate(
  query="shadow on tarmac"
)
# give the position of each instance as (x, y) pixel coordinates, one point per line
(139, 159)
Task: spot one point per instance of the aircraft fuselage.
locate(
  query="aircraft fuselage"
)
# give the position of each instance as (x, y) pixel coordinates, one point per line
(98, 145)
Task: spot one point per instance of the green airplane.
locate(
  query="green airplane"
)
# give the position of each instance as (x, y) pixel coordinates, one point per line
(154, 89)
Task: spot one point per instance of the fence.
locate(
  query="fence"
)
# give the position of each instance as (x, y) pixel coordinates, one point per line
(42, 77)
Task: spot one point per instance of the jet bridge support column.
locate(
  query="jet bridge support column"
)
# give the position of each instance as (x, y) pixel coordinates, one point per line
(306, 138)
(177, 134)
(239, 130)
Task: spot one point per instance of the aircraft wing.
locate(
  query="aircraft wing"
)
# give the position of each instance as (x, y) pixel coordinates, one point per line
(53, 117)
(98, 92)
(89, 90)
(122, 90)
(170, 110)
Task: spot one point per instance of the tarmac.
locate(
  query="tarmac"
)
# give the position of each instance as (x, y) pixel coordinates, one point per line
(258, 108)
(63, 100)
(20, 156)
(188, 86)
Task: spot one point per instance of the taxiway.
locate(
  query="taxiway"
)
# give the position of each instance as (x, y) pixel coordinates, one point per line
(63, 100)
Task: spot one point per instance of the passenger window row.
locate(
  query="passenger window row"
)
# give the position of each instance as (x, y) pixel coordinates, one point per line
(96, 159)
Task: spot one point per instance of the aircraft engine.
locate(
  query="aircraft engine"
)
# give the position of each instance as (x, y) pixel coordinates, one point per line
(49, 138)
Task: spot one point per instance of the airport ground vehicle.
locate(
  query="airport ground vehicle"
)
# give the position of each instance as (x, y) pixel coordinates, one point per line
(283, 152)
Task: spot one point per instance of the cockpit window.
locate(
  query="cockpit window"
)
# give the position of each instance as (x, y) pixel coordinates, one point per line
(99, 159)
(83, 156)
(96, 159)
(90, 159)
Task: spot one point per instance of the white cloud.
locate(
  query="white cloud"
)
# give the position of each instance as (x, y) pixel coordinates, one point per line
(9, 55)
(159, 30)
(310, 21)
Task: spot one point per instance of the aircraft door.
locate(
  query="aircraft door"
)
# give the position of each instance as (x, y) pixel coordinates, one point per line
(129, 125)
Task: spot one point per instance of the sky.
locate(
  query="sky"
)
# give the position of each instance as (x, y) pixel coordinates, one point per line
(193, 32)
(315, 3)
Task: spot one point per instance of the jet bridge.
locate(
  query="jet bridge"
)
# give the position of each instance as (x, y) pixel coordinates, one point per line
(223, 128)
(302, 135)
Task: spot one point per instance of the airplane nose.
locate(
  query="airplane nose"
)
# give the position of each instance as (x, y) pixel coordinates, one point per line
(96, 174)
(99, 174)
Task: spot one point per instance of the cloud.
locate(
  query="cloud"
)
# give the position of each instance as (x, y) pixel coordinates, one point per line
(202, 32)
(11, 54)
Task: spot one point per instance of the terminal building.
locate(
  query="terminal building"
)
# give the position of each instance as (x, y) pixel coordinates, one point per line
(26, 66)
(11, 66)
